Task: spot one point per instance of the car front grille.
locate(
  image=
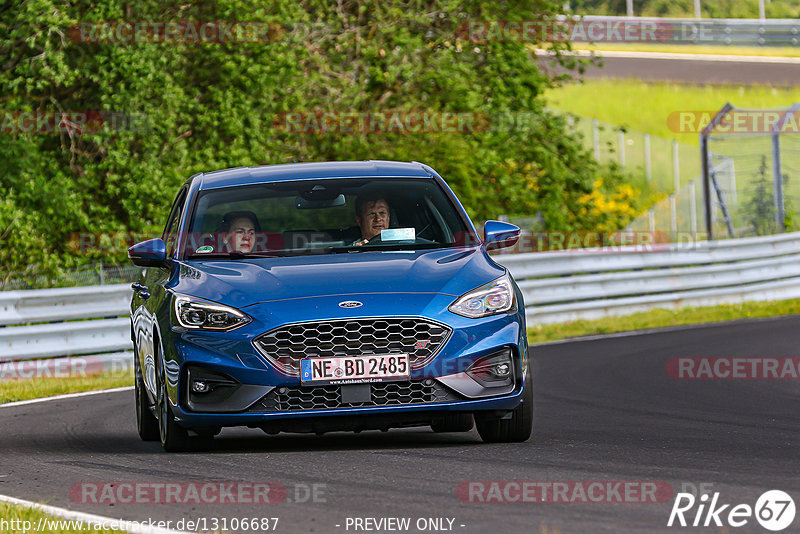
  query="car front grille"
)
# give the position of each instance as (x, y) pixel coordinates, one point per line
(284, 347)
(298, 398)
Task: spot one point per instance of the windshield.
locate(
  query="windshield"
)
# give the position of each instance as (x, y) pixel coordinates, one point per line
(324, 217)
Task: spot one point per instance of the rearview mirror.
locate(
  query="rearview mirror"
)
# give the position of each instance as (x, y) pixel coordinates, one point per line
(497, 234)
(150, 253)
(311, 204)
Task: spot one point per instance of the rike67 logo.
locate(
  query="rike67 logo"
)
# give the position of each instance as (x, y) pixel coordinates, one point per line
(774, 510)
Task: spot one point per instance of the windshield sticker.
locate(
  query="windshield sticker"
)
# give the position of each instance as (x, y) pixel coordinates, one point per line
(204, 250)
(398, 234)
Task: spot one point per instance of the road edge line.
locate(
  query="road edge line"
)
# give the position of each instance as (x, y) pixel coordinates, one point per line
(658, 330)
(121, 524)
(65, 396)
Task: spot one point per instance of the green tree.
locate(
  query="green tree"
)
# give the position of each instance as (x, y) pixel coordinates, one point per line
(215, 105)
(759, 208)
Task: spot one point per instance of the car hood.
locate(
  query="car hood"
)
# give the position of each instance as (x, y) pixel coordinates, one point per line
(240, 283)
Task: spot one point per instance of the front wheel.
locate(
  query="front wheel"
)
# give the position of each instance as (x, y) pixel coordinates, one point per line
(173, 437)
(146, 422)
(514, 429)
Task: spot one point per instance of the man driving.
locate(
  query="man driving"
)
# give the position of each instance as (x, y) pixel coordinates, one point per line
(372, 216)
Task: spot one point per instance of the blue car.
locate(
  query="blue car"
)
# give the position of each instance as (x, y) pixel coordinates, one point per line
(322, 297)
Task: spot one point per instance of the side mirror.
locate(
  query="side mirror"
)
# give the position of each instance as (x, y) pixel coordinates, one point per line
(150, 253)
(497, 234)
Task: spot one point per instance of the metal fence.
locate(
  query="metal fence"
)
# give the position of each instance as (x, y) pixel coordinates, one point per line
(91, 323)
(752, 176)
(665, 163)
(668, 166)
(679, 217)
(749, 186)
(88, 275)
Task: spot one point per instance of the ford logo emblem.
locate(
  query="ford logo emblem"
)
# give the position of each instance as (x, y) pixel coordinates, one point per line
(350, 304)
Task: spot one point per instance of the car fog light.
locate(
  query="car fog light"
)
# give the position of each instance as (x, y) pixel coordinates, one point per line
(198, 386)
(502, 369)
(495, 370)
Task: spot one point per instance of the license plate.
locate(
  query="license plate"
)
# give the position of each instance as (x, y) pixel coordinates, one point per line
(354, 369)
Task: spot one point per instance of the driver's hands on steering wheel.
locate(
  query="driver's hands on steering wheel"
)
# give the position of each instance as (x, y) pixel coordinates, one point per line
(366, 241)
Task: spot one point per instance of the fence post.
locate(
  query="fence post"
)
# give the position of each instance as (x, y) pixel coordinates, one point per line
(102, 275)
(651, 215)
(732, 185)
(596, 138)
(622, 148)
(648, 171)
(673, 214)
(776, 173)
(693, 208)
(706, 185)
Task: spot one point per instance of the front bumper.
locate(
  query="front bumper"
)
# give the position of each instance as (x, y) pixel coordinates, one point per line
(401, 415)
(233, 355)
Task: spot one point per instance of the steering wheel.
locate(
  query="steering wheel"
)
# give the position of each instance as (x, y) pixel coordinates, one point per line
(427, 227)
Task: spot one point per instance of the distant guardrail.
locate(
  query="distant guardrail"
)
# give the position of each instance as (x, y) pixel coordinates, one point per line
(89, 326)
(742, 32)
(594, 283)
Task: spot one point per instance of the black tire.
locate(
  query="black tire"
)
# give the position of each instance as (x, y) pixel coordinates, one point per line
(517, 428)
(173, 437)
(146, 422)
(460, 422)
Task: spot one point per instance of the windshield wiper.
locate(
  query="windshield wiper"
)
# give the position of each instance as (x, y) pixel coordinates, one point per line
(233, 255)
(386, 246)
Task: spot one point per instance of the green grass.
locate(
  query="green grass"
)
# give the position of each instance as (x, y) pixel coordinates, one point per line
(16, 515)
(775, 51)
(663, 319)
(645, 107)
(16, 390)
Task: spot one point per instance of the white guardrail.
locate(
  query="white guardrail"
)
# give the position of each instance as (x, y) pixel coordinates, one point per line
(90, 324)
(593, 283)
(79, 330)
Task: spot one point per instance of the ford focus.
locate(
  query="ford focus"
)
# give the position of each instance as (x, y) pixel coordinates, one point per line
(322, 297)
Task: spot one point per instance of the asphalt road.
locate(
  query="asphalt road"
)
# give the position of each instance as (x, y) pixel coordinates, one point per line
(697, 71)
(606, 410)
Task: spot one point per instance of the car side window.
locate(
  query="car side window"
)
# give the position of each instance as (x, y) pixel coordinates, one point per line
(170, 236)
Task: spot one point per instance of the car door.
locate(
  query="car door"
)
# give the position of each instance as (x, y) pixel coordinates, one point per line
(151, 297)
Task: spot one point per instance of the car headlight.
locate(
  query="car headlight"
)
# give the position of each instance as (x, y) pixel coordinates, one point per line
(495, 297)
(198, 314)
